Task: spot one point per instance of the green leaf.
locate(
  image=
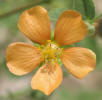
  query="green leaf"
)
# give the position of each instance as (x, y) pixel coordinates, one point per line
(77, 5)
(89, 8)
(85, 7)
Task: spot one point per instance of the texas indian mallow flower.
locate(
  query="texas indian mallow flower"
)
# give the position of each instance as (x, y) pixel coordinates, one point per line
(23, 58)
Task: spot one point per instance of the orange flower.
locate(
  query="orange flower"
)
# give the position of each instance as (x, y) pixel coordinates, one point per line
(23, 58)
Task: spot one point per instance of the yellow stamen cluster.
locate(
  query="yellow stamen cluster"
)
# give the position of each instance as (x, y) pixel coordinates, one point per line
(50, 51)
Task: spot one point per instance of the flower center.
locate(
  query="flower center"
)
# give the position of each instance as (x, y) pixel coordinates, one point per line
(50, 51)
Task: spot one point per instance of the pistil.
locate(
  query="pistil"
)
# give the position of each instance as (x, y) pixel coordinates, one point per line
(50, 51)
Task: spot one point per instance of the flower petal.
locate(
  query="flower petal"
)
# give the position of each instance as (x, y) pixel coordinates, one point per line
(79, 61)
(70, 28)
(35, 24)
(47, 78)
(22, 58)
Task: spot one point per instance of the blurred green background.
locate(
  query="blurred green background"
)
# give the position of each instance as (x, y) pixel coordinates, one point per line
(18, 88)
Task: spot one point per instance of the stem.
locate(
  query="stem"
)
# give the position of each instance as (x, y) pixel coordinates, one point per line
(97, 17)
(14, 11)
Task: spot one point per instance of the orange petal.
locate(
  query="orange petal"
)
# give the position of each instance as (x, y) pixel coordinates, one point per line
(35, 24)
(70, 28)
(22, 58)
(47, 78)
(79, 61)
